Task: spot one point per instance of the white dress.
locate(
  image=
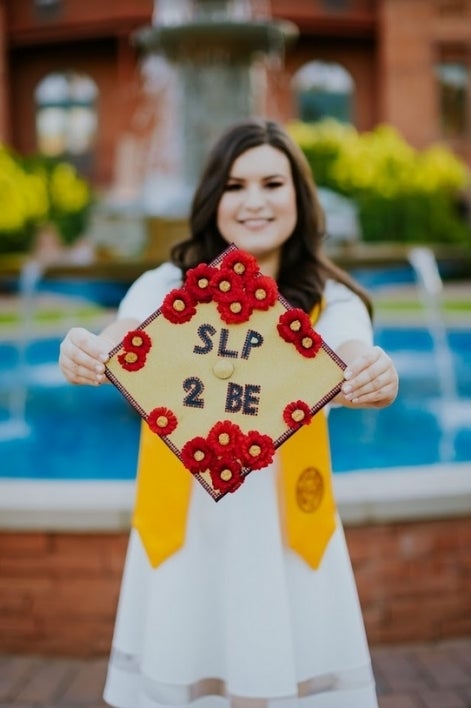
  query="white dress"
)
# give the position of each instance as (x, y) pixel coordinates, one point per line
(235, 619)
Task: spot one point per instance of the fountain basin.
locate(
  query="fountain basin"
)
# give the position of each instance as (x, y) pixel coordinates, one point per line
(238, 39)
(387, 463)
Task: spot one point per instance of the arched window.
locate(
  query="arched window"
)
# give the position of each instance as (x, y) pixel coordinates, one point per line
(453, 91)
(324, 89)
(66, 118)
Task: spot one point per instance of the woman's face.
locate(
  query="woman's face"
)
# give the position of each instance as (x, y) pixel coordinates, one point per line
(257, 211)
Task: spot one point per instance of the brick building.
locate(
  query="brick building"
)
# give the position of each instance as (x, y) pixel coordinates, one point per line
(406, 62)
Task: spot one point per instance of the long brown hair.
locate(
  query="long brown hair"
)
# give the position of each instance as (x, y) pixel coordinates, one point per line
(304, 267)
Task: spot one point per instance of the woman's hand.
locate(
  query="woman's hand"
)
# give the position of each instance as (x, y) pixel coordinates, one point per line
(371, 378)
(83, 354)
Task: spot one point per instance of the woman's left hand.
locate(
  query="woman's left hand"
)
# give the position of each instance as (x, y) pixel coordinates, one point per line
(371, 378)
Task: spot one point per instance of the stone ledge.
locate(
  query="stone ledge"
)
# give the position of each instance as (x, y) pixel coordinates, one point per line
(376, 496)
(404, 494)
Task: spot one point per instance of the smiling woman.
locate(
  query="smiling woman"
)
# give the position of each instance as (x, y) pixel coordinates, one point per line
(256, 190)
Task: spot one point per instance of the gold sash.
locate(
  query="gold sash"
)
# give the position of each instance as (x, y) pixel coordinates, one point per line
(307, 506)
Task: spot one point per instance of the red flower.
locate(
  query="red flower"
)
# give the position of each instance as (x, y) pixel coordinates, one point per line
(235, 311)
(294, 326)
(162, 421)
(226, 475)
(258, 450)
(296, 414)
(132, 360)
(262, 291)
(291, 323)
(178, 306)
(198, 281)
(241, 263)
(224, 437)
(197, 455)
(137, 340)
(226, 285)
(309, 343)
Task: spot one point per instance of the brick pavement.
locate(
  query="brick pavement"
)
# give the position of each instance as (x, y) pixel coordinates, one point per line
(409, 676)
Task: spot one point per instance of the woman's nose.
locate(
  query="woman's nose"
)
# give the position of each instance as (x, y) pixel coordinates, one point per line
(254, 197)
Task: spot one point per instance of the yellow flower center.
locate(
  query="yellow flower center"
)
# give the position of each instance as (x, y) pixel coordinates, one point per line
(235, 307)
(203, 283)
(130, 357)
(298, 415)
(224, 439)
(226, 475)
(179, 305)
(260, 294)
(137, 341)
(295, 326)
(198, 456)
(306, 342)
(224, 286)
(239, 268)
(162, 421)
(255, 450)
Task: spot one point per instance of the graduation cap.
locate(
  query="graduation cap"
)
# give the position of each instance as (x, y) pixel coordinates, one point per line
(225, 371)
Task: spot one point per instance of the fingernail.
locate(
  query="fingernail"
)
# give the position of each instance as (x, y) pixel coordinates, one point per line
(346, 388)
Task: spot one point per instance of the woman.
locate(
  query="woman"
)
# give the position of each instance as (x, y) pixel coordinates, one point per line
(236, 617)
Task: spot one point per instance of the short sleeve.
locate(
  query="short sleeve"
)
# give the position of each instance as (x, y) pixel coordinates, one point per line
(147, 293)
(344, 317)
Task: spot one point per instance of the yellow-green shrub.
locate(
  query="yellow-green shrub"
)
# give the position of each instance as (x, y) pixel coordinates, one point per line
(35, 191)
(402, 194)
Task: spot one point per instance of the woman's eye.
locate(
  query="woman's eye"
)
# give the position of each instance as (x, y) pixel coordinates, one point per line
(274, 184)
(232, 187)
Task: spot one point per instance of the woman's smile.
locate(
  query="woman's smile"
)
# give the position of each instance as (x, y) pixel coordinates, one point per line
(255, 223)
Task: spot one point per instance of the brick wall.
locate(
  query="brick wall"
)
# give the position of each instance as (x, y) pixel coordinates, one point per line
(58, 591)
(414, 579)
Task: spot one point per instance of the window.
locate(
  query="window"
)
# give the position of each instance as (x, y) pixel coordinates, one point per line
(337, 5)
(66, 118)
(453, 91)
(47, 9)
(323, 90)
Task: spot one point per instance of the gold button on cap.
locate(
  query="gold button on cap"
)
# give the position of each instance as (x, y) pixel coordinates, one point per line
(223, 369)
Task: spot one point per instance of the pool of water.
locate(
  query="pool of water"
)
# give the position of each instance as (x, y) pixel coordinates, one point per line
(421, 427)
(92, 433)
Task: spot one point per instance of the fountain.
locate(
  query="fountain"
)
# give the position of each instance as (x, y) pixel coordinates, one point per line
(15, 426)
(16, 381)
(208, 62)
(452, 410)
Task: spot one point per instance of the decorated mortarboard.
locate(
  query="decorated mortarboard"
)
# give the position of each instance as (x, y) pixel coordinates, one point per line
(225, 371)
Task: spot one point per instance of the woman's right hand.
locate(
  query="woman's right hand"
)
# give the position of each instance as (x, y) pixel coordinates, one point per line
(83, 355)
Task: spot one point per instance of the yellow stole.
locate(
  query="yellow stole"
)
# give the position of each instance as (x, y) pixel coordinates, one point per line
(307, 506)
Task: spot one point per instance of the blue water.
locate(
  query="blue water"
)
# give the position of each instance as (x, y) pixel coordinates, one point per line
(411, 430)
(92, 433)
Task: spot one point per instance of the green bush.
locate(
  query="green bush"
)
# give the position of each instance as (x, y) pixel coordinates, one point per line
(37, 191)
(402, 194)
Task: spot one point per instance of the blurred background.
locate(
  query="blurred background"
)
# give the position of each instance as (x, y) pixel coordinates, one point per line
(107, 110)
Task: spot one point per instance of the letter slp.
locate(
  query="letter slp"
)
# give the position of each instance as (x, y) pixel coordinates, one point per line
(206, 332)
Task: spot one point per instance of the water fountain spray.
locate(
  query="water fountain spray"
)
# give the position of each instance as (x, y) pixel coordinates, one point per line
(219, 53)
(449, 407)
